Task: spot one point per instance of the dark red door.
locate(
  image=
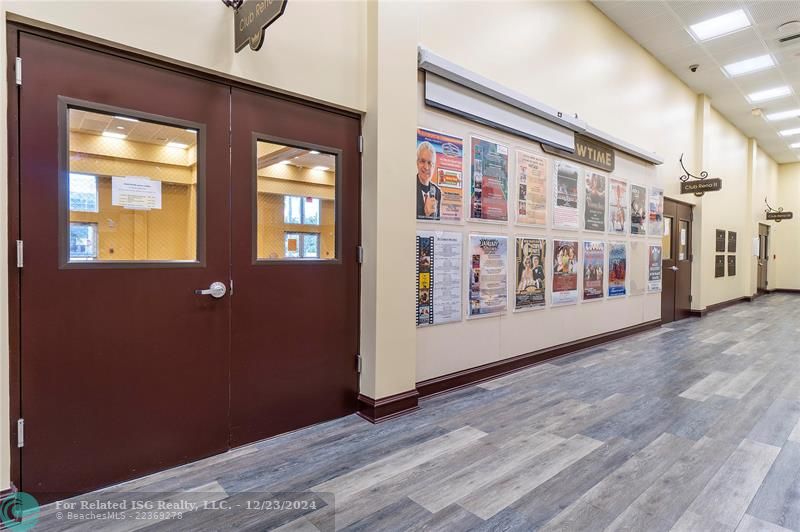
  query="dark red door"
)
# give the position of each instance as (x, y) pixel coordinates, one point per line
(677, 261)
(124, 369)
(295, 226)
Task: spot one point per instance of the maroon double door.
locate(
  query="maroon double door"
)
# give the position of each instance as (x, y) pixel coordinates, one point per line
(123, 369)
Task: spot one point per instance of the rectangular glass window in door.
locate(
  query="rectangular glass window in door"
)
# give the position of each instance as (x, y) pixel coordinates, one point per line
(132, 188)
(295, 203)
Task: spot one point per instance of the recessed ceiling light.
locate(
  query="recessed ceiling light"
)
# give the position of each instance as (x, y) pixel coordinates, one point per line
(127, 119)
(754, 64)
(314, 152)
(783, 115)
(177, 145)
(769, 94)
(721, 25)
(112, 135)
(283, 162)
(790, 132)
(120, 127)
(325, 168)
(795, 145)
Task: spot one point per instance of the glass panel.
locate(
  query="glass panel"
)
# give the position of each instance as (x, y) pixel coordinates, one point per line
(133, 183)
(295, 204)
(684, 240)
(666, 240)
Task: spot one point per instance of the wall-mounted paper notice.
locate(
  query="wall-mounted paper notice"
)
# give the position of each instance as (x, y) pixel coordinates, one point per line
(132, 192)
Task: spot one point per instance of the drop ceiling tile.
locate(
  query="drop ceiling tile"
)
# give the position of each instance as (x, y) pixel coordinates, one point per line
(765, 79)
(741, 40)
(692, 11)
(637, 11)
(773, 11)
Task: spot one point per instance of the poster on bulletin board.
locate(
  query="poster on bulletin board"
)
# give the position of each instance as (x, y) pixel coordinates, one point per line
(438, 277)
(617, 206)
(488, 274)
(654, 269)
(488, 181)
(566, 177)
(565, 272)
(617, 269)
(531, 189)
(531, 280)
(594, 205)
(440, 190)
(594, 258)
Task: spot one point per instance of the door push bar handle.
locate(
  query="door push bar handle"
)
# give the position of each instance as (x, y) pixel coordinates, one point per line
(674, 268)
(216, 290)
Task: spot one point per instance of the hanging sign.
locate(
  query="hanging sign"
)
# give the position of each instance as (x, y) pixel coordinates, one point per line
(698, 188)
(252, 18)
(587, 151)
(778, 216)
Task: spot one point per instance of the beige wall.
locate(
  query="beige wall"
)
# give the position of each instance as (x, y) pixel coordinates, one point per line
(785, 249)
(765, 185)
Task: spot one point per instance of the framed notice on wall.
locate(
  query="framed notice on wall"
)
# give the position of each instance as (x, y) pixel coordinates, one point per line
(438, 277)
(594, 259)
(617, 206)
(531, 279)
(654, 269)
(731, 265)
(719, 266)
(565, 195)
(488, 181)
(617, 269)
(531, 207)
(731, 242)
(720, 241)
(488, 274)
(594, 204)
(638, 210)
(565, 272)
(440, 190)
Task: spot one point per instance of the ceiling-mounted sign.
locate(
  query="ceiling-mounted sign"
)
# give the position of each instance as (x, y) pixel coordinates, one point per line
(778, 216)
(701, 183)
(252, 19)
(698, 188)
(587, 151)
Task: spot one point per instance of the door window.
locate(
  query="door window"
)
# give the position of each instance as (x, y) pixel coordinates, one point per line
(133, 188)
(295, 202)
(683, 243)
(666, 239)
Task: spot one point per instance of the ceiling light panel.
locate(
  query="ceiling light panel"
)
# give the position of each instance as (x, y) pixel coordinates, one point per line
(721, 25)
(795, 145)
(747, 66)
(790, 132)
(783, 115)
(769, 94)
(112, 135)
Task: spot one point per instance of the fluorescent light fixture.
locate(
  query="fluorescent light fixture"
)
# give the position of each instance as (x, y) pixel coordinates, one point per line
(783, 115)
(769, 94)
(721, 25)
(325, 168)
(314, 152)
(285, 161)
(112, 135)
(177, 145)
(790, 132)
(127, 119)
(754, 64)
(795, 145)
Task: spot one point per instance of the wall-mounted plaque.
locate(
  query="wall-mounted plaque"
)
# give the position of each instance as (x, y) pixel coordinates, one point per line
(731, 241)
(700, 187)
(719, 266)
(731, 265)
(251, 20)
(587, 151)
(778, 216)
(720, 241)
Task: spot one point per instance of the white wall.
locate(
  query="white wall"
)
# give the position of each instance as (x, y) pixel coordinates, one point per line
(785, 249)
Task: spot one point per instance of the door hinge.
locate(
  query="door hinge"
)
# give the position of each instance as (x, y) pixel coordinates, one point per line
(690, 298)
(360, 144)
(19, 254)
(360, 254)
(20, 432)
(691, 257)
(18, 70)
(358, 363)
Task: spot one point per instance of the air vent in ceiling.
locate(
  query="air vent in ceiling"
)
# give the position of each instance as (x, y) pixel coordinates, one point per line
(789, 39)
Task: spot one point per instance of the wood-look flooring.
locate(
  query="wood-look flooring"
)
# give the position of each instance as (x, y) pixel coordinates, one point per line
(694, 427)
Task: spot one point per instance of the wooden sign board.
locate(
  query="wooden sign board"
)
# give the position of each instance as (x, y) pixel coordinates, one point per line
(252, 18)
(701, 186)
(778, 216)
(587, 151)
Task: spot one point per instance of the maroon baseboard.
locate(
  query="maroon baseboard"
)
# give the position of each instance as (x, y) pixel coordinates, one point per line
(722, 304)
(377, 410)
(786, 290)
(485, 372)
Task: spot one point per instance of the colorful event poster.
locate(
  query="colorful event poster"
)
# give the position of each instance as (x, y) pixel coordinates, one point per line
(438, 277)
(594, 258)
(531, 189)
(594, 205)
(488, 274)
(654, 269)
(565, 195)
(638, 210)
(617, 206)
(565, 272)
(655, 212)
(489, 181)
(440, 184)
(530, 281)
(637, 269)
(617, 269)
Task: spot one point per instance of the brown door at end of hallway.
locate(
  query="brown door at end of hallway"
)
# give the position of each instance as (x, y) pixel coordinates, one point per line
(677, 261)
(763, 257)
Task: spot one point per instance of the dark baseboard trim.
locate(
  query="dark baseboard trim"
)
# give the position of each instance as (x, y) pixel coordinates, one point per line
(377, 410)
(699, 313)
(485, 372)
(785, 291)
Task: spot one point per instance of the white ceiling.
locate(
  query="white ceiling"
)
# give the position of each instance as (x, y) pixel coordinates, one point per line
(138, 131)
(662, 28)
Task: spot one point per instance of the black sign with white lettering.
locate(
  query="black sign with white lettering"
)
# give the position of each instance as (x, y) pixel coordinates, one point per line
(252, 18)
(780, 215)
(701, 186)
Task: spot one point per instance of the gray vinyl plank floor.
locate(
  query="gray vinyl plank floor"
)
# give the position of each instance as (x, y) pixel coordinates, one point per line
(694, 426)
